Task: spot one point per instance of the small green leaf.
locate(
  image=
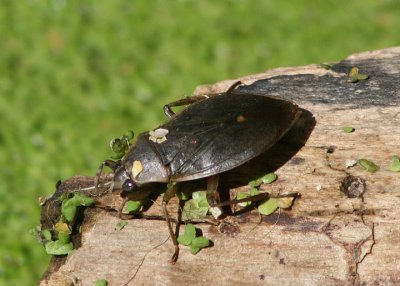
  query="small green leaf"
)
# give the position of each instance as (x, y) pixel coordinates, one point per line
(191, 210)
(188, 235)
(184, 239)
(194, 250)
(189, 239)
(69, 205)
(46, 234)
(200, 242)
(83, 200)
(348, 129)
(133, 206)
(128, 135)
(183, 196)
(269, 178)
(68, 209)
(395, 164)
(197, 207)
(200, 196)
(62, 227)
(354, 78)
(64, 237)
(121, 224)
(355, 75)
(268, 207)
(101, 282)
(266, 179)
(117, 156)
(240, 196)
(190, 230)
(368, 165)
(255, 183)
(58, 248)
(362, 76)
(254, 192)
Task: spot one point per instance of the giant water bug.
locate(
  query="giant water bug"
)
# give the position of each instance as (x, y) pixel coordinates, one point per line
(212, 135)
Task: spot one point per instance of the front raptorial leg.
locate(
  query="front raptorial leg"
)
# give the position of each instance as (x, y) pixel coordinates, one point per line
(171, 191)
(113, 165)
(213, 196)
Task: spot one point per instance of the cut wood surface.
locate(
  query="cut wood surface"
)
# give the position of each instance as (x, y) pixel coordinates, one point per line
(344, 230)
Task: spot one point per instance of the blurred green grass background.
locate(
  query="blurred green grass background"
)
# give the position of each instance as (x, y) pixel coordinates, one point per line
(75, 74)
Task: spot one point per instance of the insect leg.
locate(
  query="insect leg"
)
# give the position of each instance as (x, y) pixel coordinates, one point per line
(213, 195)
(121, 207)
(192, 99)
(181, 102)
(259, 197)
(234, 86)
(171, 191)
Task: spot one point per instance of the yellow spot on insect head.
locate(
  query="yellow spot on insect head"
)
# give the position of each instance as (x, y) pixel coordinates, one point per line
(137, 167)
(240, 119)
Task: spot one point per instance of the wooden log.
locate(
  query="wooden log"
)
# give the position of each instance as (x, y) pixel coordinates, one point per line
(344, 230)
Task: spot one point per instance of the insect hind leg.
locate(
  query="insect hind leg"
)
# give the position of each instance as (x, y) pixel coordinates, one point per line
(213, 195)
(258, 198)
(193, 99)
(182, 102)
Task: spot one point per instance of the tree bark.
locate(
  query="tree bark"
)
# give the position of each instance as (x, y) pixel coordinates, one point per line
(344, 230)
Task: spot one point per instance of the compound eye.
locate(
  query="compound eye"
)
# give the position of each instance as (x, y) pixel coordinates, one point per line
(128, 185)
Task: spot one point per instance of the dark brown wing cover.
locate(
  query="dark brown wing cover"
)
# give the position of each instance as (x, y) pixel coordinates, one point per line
(223, 132)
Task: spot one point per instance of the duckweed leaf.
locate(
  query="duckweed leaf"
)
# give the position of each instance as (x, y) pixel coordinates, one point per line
(190, 230)
(58, 248)
(184, 240)
(64, 237)
(254, 192)
(83, 200)
(269, 178)
(200, 242)
(197, 207)
(46, 234)
(194, 250)
(395, 164)
(101, 282)
(121, 145)
(189, 238)
(368, 165)
(266, 179)
(356, 76)
(133, 206)
(268, 207)
(188, 235)
(68, 209)
(348, 129)
(62, 227)
(121, 224)
(69, 206)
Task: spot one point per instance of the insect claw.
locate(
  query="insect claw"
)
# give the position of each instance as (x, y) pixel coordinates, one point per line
(174, 257)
